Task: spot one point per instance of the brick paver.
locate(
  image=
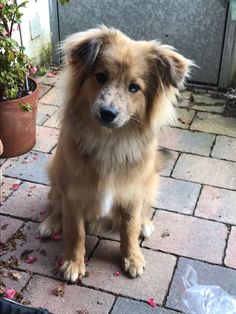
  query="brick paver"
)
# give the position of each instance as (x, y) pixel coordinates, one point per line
(8, 226)
(47, 252)
(41, 293)
(35, 201)
(207, 275)
(186, 236)
(230, 259)
(44, 112)
(8, 281)
(169, 164)
(51, 98)
(30, 166)
(127, 306)
(54, 120)
(204, 170)
(217, 204)
(46, 139)
(187, 141)
(214, 123)
(177, 195)
(43, 89)
(106, 261)
(6, 188)
(225, 148)
(184, 118)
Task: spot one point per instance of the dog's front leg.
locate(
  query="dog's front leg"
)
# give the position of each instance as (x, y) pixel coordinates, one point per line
(74, 236)
(132, 257)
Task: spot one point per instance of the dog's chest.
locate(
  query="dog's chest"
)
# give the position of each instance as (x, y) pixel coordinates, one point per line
(106, 203)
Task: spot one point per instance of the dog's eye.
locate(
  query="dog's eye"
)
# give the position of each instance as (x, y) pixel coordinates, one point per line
(134, 88)
(101, 77)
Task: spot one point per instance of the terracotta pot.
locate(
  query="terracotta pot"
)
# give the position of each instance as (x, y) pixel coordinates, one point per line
(18, 128)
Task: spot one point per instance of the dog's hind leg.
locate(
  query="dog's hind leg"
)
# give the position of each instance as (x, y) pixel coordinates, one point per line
(53, 223)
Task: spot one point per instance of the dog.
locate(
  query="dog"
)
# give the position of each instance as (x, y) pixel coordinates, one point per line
(118, 93)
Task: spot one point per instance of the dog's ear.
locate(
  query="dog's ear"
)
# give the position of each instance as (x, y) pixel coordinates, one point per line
(83, 48)
(168, 67)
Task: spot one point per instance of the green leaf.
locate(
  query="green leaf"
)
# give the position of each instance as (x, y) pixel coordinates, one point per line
(10, 56)
(233, 9)
(25, 107)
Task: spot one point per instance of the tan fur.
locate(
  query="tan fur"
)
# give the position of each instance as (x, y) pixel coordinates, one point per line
(96, 166)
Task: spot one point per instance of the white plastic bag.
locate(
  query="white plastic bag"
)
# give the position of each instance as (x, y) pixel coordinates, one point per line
(202, 299)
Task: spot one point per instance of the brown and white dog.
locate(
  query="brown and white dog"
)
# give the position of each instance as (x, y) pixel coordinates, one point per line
(117, 93)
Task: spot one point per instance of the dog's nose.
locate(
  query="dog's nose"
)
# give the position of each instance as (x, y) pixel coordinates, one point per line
(108, 114)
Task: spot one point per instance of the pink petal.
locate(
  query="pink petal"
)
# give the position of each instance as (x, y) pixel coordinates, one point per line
(117, 273)
(56, 236)
(35, 158)
(25, 162)
(1, 203)
(15, 186)
(10, 294)
(30, 259)
(152, 302)
(42, 211)
(37, 236)
(50, 74)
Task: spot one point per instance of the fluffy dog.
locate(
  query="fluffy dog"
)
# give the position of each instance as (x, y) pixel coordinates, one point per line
(117, 93)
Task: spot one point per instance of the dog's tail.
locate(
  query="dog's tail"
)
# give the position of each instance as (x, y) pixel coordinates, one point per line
(162, 157)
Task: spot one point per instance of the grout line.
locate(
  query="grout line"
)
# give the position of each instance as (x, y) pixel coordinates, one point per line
(197, 200)
(212, 147)
(170, 283)
(110, 311)
(175, 163)
(226, 245)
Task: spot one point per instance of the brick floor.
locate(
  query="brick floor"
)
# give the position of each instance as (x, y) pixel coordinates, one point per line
(43, 89)
(41, 293)
(214, 123)
(230, 259)
(177, 195)
(186, 236)
(207, 275)
(8, 281)
(204, 170)
(225, 148)
(217, 204)
(194, 219)
(187, 141)
(106, 261)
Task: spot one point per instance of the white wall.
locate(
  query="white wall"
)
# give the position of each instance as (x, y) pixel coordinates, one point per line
(34, 46)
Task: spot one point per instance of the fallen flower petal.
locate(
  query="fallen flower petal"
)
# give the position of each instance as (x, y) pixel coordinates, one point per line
(42, 211)
(152, 302)
(117, 273)
(50, 74)
(60, 290)
(37, 236)
(10, 294)
(15, 186)
(56, 236)
(30, 259)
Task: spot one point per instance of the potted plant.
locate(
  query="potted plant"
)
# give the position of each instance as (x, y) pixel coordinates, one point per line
(18, 91)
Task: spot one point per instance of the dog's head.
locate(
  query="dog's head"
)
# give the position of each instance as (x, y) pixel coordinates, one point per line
(118, 80)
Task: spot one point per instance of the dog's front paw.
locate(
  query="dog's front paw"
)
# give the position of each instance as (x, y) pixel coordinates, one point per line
(72, 270)
(147, 229)
(49, 226)
(134, 264)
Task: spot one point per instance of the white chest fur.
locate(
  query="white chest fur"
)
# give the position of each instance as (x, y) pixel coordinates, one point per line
(106, 203)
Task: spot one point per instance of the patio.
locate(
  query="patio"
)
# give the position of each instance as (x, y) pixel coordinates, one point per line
(194, 218)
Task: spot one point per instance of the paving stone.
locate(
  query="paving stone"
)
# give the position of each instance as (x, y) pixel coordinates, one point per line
(43, 89)
(203, 102)
(28, 201)
(184, 118)
(41, 294)
(46, 252)
(8, 226)
(106, 261)
(2, 160)
(9, 283)
(169, 164)
(217, 204)
(188, 236)
(187, 141)
(230, 259)
(53, 151)
(30, 166)
(54, 120)
(178, 196)
(51, 98)
(128, 306)
(51, 81)
(225, 147)
(219, 173)
(46, 138)
(44, 112)
(6, 188)
(207, 275)
(214, 123)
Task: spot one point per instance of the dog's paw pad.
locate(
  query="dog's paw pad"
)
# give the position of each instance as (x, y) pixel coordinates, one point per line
(147, 229)
(72, 270)
(49, 226)
(134, 265)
